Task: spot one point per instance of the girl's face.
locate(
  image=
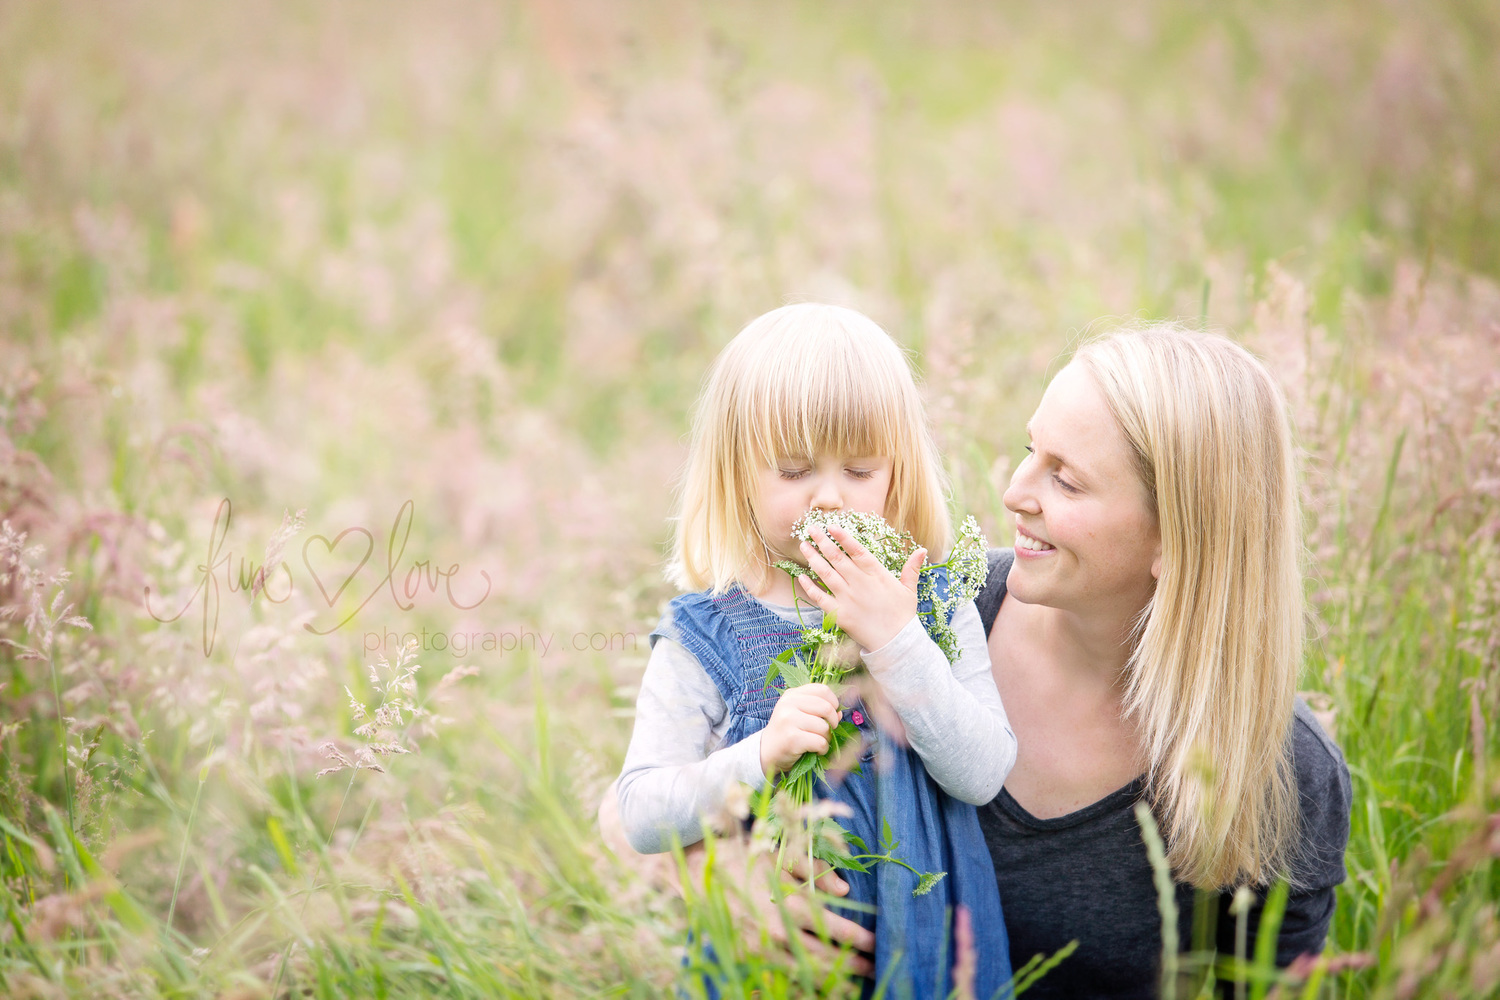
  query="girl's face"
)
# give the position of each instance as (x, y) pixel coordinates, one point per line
(1086, 537)
(790, 486)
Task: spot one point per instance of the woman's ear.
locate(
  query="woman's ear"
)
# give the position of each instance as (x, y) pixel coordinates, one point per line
(1156, 563)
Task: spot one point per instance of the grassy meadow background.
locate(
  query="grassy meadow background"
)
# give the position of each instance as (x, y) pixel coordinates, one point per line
(333, 258)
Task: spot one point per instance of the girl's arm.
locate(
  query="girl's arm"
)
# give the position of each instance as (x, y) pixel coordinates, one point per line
(670, 781)
(953, 715)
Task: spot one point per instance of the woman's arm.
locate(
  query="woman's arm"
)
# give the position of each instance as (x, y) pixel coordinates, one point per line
(825, 935)
(1324, 799)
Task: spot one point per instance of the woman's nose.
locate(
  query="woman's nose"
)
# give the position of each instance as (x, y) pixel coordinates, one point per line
(1019, 497)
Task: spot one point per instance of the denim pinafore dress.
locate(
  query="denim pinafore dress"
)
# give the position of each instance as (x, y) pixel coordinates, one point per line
(735, 638)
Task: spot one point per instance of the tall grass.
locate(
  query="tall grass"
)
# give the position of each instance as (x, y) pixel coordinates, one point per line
(338, 257)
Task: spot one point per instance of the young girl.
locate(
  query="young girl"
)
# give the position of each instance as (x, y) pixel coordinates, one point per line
(814, 406)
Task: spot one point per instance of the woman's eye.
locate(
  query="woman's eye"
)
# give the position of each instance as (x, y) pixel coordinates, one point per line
(1064, 484)
(1030, 450)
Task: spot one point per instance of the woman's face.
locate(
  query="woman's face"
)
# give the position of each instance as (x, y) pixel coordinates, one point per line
(1086, 536)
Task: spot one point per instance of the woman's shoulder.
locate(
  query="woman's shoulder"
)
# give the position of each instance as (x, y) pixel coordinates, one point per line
(1325, 797)
(988, 599)
(1311, 744)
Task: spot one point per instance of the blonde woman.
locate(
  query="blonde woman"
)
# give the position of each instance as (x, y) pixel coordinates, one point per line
(1146, 635)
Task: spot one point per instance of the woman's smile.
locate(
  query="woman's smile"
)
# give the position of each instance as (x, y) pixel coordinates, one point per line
(1030, 544)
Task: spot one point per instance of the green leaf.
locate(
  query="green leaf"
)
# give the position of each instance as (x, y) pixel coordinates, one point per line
(774, 670)
(18, 834)
(282, 845)
(841, 735)
(806, 764)
(887, 839)
(824, 851)
(795, 671)
(1266, 938)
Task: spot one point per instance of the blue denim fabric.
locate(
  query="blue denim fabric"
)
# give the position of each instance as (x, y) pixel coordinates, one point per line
(735, 637)
(934, 832)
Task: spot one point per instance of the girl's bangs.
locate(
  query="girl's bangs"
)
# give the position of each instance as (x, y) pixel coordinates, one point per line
(832, 416)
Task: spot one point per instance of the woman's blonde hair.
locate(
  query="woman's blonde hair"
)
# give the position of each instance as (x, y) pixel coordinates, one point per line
(1212, 680)
(800, 381)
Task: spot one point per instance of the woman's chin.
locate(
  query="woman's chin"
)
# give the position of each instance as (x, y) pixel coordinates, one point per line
(1025, 584)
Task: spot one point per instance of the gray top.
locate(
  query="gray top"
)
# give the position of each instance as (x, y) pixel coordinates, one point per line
(677, 769)
(1085, 876)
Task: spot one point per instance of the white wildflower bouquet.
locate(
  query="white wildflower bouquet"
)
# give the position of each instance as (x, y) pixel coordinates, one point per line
(822, 657)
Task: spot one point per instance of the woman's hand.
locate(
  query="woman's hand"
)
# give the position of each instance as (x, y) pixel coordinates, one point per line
(755, 909)
(800, 723)
(869, 603)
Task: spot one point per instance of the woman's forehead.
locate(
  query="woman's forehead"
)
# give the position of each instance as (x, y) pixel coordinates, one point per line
(1074, 422)
(1072, 397)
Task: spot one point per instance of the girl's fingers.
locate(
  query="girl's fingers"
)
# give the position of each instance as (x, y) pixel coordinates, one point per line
(823, 691)
(819, 720)
(806, 742)
(849, 549)
(820, 565)
(811, 723)
(833, 549)
(913, 569)
(824, 694)
(817, 595)
(821, 694)
(822, 702)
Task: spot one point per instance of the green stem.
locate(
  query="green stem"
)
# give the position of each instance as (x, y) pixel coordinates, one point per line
(62, 732)
(885, 857)
(187, 835)
(313, 883)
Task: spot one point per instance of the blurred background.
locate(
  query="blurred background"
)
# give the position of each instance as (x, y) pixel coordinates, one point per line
(425, 292)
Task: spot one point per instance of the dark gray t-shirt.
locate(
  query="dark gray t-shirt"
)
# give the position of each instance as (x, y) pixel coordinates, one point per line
(1085, 875)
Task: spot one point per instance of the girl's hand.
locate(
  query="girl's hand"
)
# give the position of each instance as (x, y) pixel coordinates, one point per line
(870, 604)
(800, 722)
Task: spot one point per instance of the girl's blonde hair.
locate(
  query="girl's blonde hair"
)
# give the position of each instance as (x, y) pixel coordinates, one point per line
(801, 381)
(1212, 679)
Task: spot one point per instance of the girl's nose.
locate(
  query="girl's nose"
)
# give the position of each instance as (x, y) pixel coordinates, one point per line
(826, 495)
